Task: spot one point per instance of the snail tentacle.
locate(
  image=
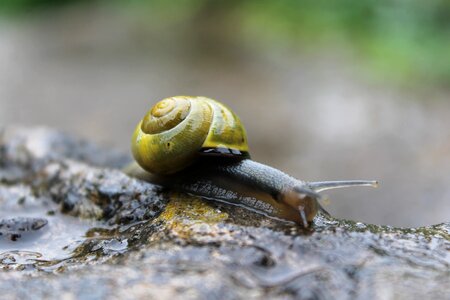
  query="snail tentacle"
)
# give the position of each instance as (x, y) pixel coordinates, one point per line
(319, 186)
(303, 216)
(304, 190)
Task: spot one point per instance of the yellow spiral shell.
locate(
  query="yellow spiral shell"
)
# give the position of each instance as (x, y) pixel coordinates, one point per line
(178, 130)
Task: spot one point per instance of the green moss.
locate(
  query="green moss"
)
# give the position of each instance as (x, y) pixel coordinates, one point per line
(184, 212)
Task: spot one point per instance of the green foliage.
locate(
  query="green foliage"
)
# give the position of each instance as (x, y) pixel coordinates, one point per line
(15, 7)
(405, 40)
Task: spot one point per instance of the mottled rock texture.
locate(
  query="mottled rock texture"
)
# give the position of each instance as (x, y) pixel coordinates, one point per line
(92, 232)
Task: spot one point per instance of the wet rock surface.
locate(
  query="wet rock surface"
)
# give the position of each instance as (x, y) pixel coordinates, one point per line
(16, 227)
(93, 232)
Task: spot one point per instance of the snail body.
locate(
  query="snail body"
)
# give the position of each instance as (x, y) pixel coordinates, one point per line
(199, 146)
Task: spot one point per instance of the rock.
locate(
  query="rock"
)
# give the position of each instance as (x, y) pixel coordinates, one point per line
(14, 228)
(112, 236)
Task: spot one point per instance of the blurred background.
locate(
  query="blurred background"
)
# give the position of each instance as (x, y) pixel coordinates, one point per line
(327, 89)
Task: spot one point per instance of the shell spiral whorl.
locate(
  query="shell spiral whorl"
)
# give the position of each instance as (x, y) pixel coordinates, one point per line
(177, 130)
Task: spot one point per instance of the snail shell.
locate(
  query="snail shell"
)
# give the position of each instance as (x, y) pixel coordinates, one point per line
(177, 130)
(198, 145)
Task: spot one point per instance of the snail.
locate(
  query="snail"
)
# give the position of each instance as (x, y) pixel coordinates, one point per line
(199, 146)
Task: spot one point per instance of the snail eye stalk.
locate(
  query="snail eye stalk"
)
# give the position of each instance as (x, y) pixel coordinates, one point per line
(319, 186)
